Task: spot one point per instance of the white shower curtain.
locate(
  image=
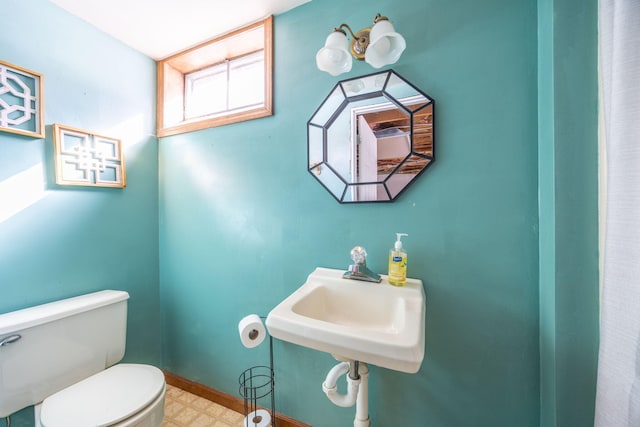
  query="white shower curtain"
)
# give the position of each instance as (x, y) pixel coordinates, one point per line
(618, 391)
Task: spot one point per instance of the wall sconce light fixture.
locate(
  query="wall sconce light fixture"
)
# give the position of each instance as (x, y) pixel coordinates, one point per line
(379, 45)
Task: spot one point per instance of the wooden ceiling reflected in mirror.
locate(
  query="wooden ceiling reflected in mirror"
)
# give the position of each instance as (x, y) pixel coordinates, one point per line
(371, 137)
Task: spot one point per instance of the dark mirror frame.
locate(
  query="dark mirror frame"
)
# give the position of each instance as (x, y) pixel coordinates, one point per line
(335, 139)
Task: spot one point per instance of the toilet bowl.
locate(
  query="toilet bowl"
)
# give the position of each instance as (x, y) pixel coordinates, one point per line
(125, 395)
(62, 357)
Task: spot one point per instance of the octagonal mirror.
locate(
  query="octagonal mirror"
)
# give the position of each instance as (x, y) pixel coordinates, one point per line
(371, 137)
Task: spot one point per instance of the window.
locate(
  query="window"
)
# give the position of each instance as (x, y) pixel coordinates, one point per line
(226, 80)
(232, 86)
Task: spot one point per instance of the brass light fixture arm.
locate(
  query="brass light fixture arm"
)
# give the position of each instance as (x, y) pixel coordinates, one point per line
(341, 29)
(378, 18)
(360, 40)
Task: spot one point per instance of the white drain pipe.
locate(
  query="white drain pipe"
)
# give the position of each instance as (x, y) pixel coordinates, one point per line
(330, 388)
(357, 389)
(362, 403)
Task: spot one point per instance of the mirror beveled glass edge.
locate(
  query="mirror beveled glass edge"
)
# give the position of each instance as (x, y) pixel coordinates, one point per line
(335, 141)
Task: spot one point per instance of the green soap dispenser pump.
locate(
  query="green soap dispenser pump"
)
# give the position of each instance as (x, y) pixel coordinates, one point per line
(398, 262)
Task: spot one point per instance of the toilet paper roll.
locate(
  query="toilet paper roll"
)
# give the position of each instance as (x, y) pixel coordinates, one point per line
(251, 330)
(259, 418)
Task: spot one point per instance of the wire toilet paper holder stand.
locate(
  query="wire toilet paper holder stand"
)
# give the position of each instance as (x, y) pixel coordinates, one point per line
(256, 383)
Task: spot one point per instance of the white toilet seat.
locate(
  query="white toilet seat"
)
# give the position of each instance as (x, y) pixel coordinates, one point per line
(120, 396)
(151, 416)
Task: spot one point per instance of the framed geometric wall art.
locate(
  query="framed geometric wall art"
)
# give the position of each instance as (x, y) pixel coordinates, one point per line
(21, 101)
(84, 158)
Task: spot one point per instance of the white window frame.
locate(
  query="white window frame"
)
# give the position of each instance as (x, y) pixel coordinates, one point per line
(227, 70)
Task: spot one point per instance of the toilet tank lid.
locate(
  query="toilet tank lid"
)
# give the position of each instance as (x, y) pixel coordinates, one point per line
(106, 398)
(33, 316)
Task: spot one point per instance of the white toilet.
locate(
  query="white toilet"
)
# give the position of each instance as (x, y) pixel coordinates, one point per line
(61, 357)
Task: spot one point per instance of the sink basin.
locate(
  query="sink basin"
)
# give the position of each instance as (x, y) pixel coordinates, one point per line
(376, 323)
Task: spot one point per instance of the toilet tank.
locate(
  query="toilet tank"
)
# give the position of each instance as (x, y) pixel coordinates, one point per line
(59, 344)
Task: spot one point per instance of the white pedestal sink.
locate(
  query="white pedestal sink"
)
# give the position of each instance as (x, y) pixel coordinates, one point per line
(375, 323)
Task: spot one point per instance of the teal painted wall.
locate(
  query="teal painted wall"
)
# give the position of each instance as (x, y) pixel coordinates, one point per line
(77, 240)
(242, 223)
(567, 150)
(507, 255)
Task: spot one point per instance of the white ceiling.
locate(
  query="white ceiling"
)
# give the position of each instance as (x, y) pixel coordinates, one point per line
(160, 28)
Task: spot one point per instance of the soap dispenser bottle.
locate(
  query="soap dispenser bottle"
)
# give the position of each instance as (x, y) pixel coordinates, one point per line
(398, 262)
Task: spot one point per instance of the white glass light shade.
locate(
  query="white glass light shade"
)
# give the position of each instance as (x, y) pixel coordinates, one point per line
(385, 45)
(334, 57)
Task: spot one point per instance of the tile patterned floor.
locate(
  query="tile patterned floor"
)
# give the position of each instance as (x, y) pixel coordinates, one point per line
(183, 409)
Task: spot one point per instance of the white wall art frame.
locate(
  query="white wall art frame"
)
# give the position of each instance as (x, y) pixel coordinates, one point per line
(21, 101)
(84, 158)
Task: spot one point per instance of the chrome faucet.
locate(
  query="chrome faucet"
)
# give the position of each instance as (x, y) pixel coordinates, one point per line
(358, 270)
